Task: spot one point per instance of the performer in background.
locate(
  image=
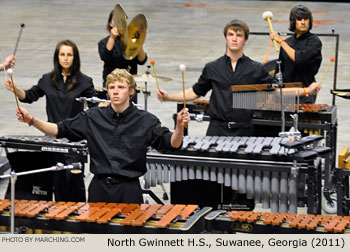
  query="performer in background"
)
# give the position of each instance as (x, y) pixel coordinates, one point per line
(111, 51)
(233, 68)
(60, 87)
(301, 53)
(118, 137)
(9, 62)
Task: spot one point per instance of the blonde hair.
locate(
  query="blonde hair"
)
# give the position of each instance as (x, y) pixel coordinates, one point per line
(121, 75)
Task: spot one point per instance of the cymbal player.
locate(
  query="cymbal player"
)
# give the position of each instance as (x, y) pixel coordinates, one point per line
(111, 49)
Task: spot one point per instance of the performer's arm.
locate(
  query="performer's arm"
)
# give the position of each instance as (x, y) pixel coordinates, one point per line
(190, 95)
(19, 91)
(313, 88)
(112, 37)
(183, 117)
(141, 56)
(289, 50)
(48, 128)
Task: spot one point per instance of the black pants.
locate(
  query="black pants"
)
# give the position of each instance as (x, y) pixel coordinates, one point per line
(115, 189)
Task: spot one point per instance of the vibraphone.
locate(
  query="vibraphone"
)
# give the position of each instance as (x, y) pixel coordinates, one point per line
(311, 116)
(44, 144)
(316, 118)
(283, 223)
(81, 217)
(262, 168)
(33, 152)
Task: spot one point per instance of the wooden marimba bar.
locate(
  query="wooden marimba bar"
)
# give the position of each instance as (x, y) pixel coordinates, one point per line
(265, 222)
(81, 217)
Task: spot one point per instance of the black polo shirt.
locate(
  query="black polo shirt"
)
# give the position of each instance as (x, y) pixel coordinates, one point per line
(60, 103)
(117, 142)
(114, 59)
(308, 60)
(219, 76)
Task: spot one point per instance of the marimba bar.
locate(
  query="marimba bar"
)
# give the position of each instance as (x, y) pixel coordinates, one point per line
(286, 223)
(81, 217)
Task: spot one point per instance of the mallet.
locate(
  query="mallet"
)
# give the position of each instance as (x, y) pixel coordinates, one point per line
(267, 15)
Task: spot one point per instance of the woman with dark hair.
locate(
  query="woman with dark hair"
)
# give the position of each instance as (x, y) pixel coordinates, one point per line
(111, 50)
(61, 87)
(301, 53)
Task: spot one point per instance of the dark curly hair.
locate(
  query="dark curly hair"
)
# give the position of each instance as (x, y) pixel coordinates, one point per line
(299, 12)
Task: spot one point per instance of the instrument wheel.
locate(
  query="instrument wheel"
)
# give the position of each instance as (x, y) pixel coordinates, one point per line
(330, 207)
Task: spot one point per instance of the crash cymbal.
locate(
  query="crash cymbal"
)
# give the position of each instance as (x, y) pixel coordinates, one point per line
(137, 30)
(150, 78)
(120, 20)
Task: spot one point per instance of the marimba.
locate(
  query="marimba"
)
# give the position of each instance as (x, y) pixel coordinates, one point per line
(81, 217)
(262, 168)
(314, 118)
(281, 223)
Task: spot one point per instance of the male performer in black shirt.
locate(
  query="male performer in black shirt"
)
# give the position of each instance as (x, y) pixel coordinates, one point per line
(233, 68)
(118, 136)
(301, 53)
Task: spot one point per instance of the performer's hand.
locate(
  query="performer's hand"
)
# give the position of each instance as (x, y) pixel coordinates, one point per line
(23, 115)
(162, 95)
(314, 88)
(114, 32)
(183, 117)
(103, 104)
(9, 61)
(9, 86)
(274, 36)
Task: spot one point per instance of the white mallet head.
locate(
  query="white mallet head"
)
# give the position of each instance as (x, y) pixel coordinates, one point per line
(182, 67)
(10, 71)
(267, 14)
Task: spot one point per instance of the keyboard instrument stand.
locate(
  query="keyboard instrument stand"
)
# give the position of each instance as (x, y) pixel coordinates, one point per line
(75, 167)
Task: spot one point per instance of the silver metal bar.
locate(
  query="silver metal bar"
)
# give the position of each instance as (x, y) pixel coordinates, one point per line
(284, 192)
(250, 184)
(257, 186)
(266, 190)
(275, 191)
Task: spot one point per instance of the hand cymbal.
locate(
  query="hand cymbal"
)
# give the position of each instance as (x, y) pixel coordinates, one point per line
(150, 78)
(137, 30)
(120, 20)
